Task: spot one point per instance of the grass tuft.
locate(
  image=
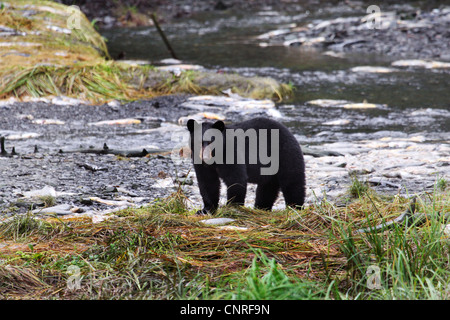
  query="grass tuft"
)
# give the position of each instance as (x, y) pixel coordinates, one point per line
(163, 251)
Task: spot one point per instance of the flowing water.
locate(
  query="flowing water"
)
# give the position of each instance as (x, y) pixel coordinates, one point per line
(416, 100)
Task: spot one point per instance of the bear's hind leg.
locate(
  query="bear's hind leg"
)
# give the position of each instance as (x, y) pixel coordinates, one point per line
(266, 194)
(235, 178)
(294, 194)
(236, 193)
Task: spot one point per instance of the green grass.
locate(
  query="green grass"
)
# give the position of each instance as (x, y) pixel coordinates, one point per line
(410, 262)
(108, 80)
(265, 280)
(163, 252)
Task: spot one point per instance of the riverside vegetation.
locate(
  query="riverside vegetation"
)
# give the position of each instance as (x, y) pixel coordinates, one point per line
(48, 54)
(163, 251)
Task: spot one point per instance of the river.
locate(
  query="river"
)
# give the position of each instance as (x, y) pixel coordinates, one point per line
(415, 100)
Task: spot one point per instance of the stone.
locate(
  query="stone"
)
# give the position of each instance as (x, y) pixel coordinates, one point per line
(44, 192)
(447, 230)
(371, 69)
(48, 121)
(421, 63)
(119, 122)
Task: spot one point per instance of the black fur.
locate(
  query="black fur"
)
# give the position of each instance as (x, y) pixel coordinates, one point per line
(290, 178)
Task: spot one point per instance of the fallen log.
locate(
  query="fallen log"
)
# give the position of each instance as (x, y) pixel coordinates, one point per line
(124, 153)
(320, 153)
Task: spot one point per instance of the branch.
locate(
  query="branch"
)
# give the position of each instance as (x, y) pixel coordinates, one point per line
(124, 153)
(3, 152)
(407, 218)
(319, 153)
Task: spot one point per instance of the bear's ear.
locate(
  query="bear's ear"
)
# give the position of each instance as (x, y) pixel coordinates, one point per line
(190, 125)
(219, 125)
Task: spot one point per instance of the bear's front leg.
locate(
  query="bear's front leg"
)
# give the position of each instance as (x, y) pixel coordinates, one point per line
(236, 192)
(209, 185)
(235, 178)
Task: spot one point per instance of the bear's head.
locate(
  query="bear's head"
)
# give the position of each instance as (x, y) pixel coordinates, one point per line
(206, 141)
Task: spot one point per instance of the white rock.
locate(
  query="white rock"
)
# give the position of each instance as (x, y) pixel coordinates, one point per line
(44, 192)
(334, 54)
(339, 122)
(120, 203)
(447, 230)
(421, 63)
(273, 33)
(119, 122)
(20, 44)
(135, 63)
(61, 54)
(164, 183)
(114, 103)
(21, 135)
(176, 69)
(8, 102)
(48, 121)
(171, 61)
(372, 69)
(67, 101)
(327, 102)
(362, 105)
(274, 113)
(99, 218)
(59, 29)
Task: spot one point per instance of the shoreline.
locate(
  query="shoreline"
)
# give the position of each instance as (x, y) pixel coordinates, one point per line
(393, 165)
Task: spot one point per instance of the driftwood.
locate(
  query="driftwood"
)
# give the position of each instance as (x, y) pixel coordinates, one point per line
(3, 152)
(407, 218)
(320, 153)
(143, 152)
(104, 150)
(163, 36)
(379, 182)
(124, 153)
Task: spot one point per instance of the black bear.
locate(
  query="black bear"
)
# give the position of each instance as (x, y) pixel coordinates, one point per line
(261, 151)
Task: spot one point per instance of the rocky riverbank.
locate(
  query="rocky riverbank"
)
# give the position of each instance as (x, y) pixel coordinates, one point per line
(418, 29)
(398, 31)
(49, 49)
(49, 109)
(98, 184)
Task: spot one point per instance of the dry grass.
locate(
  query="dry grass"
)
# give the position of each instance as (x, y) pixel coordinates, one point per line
(109, 80)
(40, 62)
(163, 252)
